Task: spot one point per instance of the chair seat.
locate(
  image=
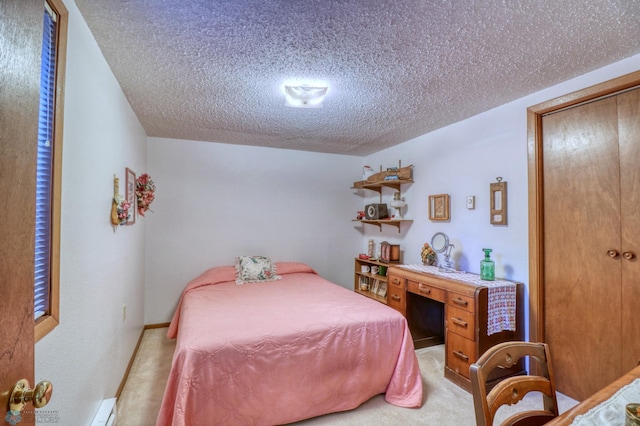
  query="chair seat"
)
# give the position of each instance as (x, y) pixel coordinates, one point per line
(530, 418)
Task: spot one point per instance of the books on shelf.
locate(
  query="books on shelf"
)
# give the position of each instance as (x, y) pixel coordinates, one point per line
(373, 285)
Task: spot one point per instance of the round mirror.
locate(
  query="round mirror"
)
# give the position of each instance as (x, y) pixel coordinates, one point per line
(439, 242)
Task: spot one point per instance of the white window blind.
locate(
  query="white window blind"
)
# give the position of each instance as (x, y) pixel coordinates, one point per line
(44, 180)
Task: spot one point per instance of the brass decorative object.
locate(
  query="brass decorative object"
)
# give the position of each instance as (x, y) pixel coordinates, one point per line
(21, 394)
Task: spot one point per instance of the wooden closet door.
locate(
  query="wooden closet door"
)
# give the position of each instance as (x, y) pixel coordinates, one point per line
(582, 292)
(629, 119)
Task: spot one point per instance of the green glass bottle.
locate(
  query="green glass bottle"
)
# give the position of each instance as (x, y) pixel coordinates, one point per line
(487, 267)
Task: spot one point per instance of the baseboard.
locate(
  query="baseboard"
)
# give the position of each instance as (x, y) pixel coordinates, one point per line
(135, 352)
(107, 413)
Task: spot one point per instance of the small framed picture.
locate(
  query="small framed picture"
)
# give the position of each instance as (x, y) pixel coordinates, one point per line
(498, 213)
(130, 195)
(382, 289)
(439, 207)
(374, 287)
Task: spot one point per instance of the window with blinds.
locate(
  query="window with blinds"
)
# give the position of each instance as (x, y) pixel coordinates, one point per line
(49, 169)
(44, 167)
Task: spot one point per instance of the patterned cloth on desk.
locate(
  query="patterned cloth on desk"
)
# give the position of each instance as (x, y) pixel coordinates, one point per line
(501, 311)
(612, 411)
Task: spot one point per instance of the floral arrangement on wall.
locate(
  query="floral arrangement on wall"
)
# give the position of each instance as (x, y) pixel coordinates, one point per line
(140, 192)
(145, 193)
(123, 212)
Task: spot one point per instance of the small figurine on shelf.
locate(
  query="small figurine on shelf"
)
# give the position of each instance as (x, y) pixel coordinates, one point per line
(429, 257)
(371, 248)
(360, 215)
(398, 204)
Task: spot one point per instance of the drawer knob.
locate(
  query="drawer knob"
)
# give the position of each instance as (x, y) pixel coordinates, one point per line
(612, 253)
(424, 290)
(628, 255)
(395, 297)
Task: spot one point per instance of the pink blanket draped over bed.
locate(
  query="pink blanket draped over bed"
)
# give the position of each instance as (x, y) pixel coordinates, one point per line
(282, 351)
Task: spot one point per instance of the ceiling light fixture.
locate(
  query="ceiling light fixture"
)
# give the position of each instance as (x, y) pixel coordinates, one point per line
(305, 96)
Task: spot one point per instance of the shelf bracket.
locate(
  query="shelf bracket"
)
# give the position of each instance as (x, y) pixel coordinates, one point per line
(379, 223)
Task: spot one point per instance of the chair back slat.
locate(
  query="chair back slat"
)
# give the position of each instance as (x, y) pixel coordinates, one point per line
(511, 390)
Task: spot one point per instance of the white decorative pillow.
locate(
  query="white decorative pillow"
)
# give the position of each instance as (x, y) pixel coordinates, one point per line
(254, 269)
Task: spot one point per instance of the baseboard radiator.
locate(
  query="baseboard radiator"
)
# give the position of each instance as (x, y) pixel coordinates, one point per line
(106, 415)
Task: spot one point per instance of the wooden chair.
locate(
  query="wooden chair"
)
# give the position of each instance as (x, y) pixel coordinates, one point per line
(512, 389)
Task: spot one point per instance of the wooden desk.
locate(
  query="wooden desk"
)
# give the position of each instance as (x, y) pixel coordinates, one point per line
(597, 398)
(451, 308)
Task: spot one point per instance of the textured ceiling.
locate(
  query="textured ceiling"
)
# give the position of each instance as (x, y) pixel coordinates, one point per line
(213, 70)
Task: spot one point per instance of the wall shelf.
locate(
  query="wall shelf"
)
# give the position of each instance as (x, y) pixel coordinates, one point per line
(378, 186)
(395, 184)
(390, 222)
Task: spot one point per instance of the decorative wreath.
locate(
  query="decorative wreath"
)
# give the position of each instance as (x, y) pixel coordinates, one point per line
(145, 189)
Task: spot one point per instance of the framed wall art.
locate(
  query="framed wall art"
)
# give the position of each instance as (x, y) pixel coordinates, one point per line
(439, 207)
(130, 195)
(498, 194)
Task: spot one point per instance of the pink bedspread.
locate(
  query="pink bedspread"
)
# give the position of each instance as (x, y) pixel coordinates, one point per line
(283, 351)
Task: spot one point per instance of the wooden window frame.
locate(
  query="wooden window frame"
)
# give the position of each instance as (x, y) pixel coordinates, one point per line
(51, 319)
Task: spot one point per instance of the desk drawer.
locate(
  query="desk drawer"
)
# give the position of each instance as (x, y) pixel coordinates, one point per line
(460, 353)
(396, 281)
(461, 301)
(461, 322)
(426, 290)
(396, 298)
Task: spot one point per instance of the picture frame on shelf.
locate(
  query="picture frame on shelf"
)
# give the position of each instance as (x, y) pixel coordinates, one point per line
(130, 195)
(439, 207)
(382, 289)
(374, 286)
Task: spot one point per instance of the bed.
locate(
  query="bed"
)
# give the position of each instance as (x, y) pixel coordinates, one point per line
(281, 351)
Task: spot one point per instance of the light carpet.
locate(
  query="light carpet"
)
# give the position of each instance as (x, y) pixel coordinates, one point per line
(444, 402)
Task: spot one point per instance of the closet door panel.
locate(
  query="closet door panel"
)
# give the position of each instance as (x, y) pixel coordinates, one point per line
(629, 121)
(581, 200)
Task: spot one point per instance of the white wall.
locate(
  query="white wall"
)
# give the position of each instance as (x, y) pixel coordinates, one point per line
(215, 202)
(86, 356)
(463, 159)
